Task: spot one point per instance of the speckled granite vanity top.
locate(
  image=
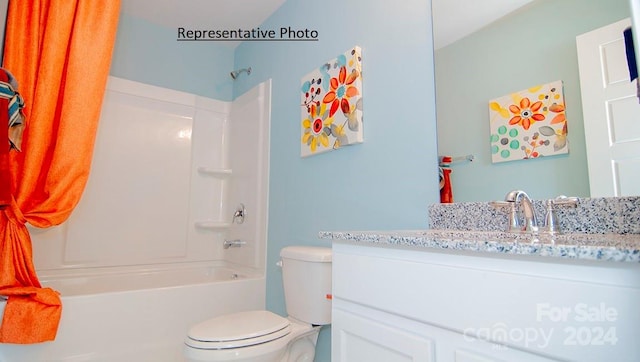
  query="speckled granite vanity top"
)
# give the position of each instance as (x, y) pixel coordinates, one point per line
(606, 229)
(604, 247)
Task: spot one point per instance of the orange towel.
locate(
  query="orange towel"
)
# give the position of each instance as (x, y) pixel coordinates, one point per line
(446, 192)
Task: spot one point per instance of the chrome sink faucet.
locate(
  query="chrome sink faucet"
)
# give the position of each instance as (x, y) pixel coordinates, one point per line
(530, 221)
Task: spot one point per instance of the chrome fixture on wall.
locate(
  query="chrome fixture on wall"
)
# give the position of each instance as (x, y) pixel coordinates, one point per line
(239, 214)
(233, 243)
(234, 74)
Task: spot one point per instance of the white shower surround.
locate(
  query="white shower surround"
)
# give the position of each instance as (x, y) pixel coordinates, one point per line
(143, 251)
(169, 169)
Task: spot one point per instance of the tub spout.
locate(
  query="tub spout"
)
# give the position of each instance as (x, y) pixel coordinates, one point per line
(233, 243)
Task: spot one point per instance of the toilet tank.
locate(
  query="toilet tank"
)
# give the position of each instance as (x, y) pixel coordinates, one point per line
(306, 274)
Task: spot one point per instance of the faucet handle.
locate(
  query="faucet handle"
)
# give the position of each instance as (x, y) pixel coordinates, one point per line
(514, 224)
(499, 203)
(565, 201)
(550, 219)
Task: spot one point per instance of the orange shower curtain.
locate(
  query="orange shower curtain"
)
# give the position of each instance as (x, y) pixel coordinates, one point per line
(60, 53)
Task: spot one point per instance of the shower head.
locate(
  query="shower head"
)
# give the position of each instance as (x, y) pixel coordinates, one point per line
(236, 73)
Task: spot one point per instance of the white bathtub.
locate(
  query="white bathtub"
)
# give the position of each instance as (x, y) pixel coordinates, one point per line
(138, 314)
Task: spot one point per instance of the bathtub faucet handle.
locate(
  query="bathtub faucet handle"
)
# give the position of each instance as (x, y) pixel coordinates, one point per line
(239, 214)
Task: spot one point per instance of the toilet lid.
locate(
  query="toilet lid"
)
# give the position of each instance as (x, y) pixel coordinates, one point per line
(238, 330)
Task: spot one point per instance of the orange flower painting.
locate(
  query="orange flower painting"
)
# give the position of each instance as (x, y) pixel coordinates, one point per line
(331, 105)
(528, 124)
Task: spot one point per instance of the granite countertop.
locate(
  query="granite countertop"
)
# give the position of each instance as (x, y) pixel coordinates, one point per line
(603, 247)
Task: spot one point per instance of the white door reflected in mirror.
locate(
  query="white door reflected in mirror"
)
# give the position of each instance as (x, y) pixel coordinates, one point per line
(610, 106)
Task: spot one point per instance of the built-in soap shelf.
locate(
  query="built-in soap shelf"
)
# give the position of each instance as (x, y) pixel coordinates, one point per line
(215, 172)
(211, 225)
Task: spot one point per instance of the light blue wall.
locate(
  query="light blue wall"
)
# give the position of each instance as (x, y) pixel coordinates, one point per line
(149, 53)
(533, 46)
(385, 183)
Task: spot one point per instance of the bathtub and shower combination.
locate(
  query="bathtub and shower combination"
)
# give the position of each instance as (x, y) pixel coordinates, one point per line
(132, 285)
(141, 315)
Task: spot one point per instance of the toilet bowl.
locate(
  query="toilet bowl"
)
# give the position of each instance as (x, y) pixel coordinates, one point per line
(263, 336)
(256, 336)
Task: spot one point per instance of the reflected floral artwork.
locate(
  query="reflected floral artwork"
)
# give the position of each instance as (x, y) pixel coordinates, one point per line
(332, 105)
(529, 124)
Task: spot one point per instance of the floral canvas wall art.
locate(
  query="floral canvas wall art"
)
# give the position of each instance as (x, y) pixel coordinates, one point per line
(331, 105)
(529, 124)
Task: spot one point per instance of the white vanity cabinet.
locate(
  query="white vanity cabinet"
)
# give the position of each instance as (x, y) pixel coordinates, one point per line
(367, 334)
(399, 304)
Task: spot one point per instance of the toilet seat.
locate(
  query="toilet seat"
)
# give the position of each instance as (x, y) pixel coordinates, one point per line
(238, 330)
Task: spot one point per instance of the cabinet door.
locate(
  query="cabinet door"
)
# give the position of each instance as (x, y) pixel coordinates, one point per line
(356, 339)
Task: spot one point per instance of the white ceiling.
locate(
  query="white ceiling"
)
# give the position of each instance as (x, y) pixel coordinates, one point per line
(453, 19)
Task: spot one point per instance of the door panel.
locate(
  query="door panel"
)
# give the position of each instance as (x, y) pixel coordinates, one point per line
(611, 111)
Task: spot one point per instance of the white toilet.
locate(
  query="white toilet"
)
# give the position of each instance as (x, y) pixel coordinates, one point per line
(262, 336)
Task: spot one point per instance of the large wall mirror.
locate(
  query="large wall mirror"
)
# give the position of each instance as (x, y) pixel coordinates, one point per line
(531, 45)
